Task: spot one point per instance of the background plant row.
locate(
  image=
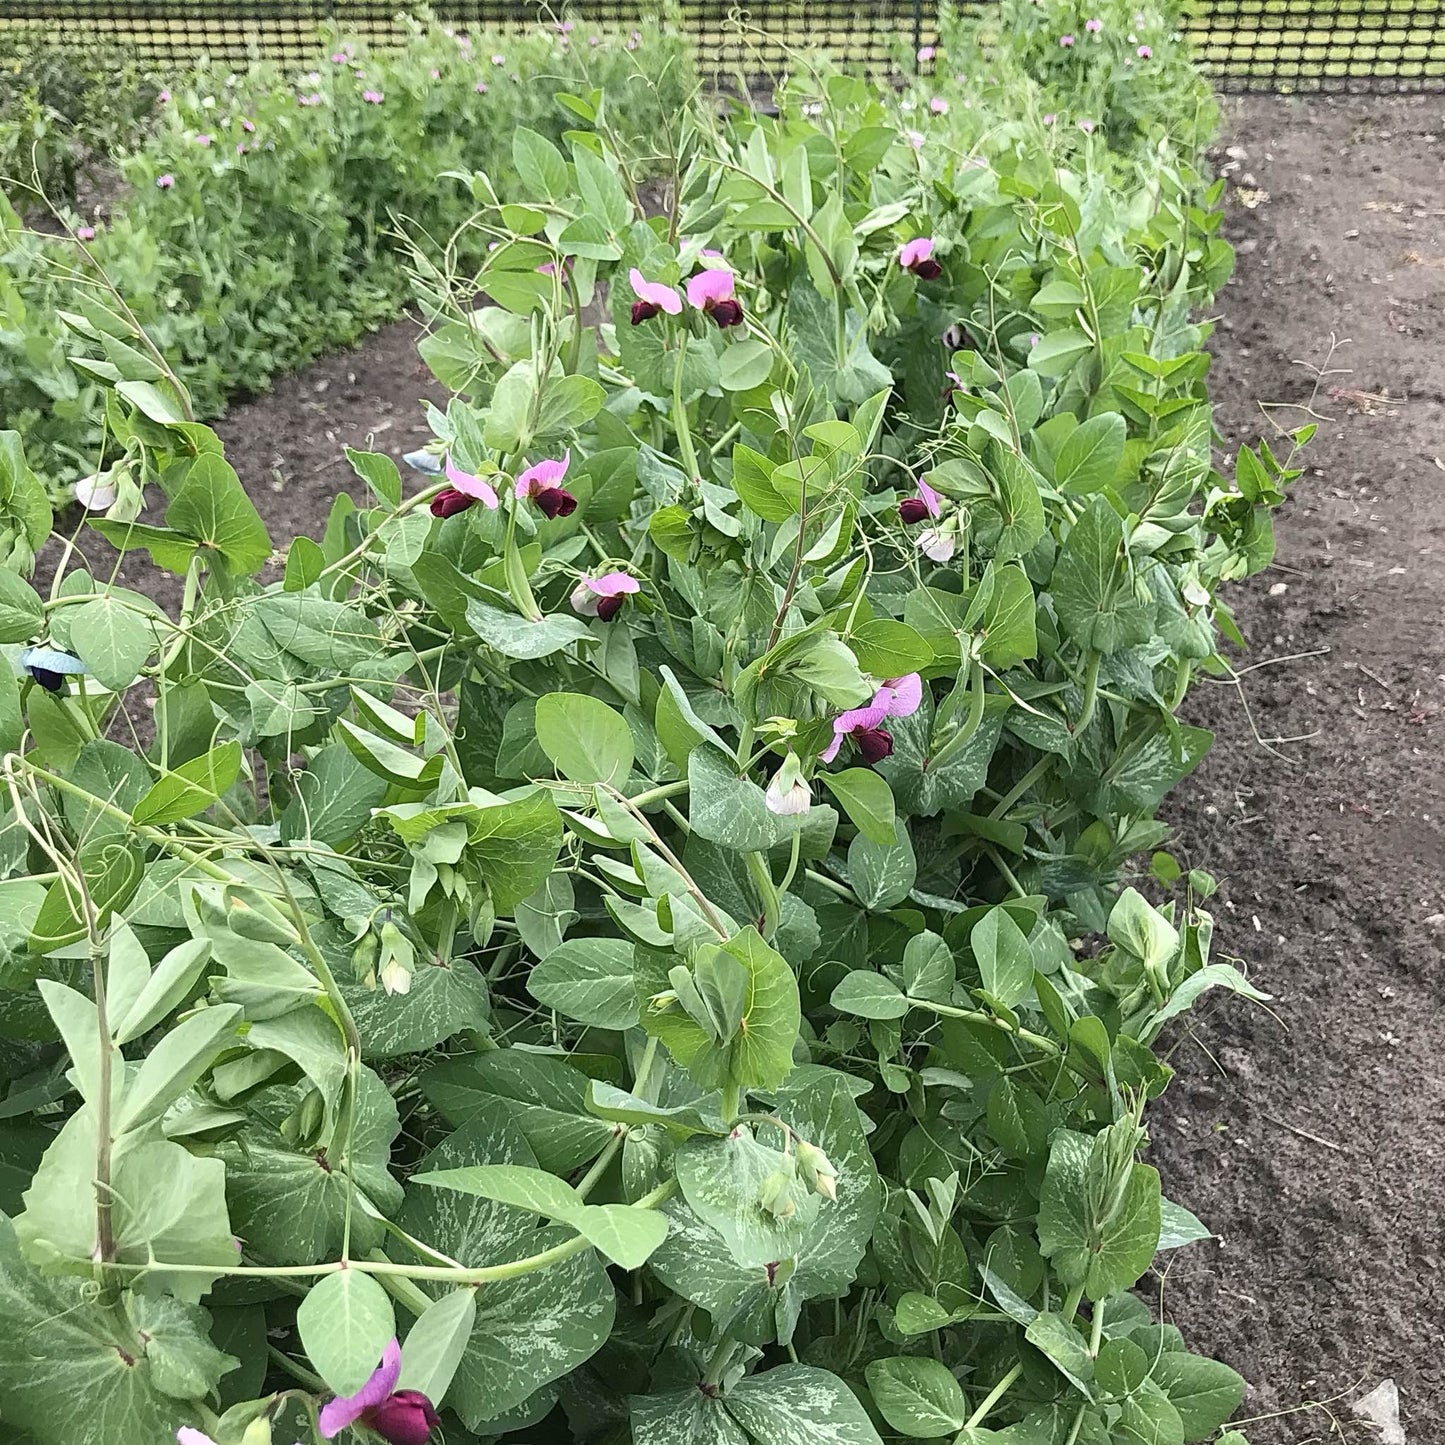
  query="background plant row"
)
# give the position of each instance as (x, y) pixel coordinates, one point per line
(577, 997)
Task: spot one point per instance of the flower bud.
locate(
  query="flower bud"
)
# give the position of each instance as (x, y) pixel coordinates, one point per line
(816, 1170)
(775, 1194)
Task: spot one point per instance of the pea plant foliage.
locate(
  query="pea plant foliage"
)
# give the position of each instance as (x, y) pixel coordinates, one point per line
(634, 936)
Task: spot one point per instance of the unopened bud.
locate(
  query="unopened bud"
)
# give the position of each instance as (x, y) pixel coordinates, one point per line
(817, 1171)
(258, 1432)
(775, 1195)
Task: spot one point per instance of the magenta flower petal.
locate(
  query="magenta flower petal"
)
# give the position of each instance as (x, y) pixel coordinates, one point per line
(613, 584)
(929, 497)
(855, 720)
(707, 288)
(544, 474)
(920, 249)
(470, 486)
(344, 1410)
(187, 1436)
(900, 696)
(655, 293)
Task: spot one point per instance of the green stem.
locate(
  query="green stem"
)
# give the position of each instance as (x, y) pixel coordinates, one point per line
(1016, 792)
(314, 1383)
(762, 876)
(989, 1401)
(731, 1102)
(487, 1274)
(679, 414)
(657, 794)
(603, 1162)
(1091, 693)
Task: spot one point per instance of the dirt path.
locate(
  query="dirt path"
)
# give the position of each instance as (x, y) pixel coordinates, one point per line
(1311, 1140)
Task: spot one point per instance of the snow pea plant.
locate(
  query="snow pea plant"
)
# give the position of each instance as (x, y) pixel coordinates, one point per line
(632, 938)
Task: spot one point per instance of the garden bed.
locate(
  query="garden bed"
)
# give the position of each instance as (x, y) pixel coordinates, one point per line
(1308, 1138)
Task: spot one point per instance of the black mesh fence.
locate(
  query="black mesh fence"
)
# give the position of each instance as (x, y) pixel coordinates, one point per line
(755, 39)
(1289, 45)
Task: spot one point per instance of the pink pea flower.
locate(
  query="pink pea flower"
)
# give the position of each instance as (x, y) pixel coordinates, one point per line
(481, 87)
(938, 105)
(603, 596)
(915, 139)
(566, 27)
(186, 1436)
(1066, 41)
(865, 726)
(499, 60)
(1093, 26)
(711, 291)
(436, 75)
(402, 1417)
(1144, 53)
(1050, 118)
(652, 297)
(204, 140)
(163, 97)
(542, 482)
(372, 97)
(240, 147)
(927, 503)
(1087, 126)
(594, 40)
(917, 256)
(898, 697)
(634, 40)
(926, 53)
(85, 233)
(465, 489)
(166, 181)
(340, 58)
(249, 126)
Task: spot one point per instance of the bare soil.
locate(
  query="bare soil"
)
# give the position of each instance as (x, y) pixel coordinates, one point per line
(1307, 1134)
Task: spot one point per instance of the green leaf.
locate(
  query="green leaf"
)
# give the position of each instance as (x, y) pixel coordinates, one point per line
(112, 639)
(886, 648)
(760, 1055)
(334, 797)
(1204, 1392)
(727, 809)
(919, 1397)
(753, 481)
(515, 636)
(869, 995)
(1057, 352)
(545, 1098)
(73, 1369)
(212, 508)
(800, 1405)
(1105, 1244)
(444, 1000)
(868, 802)
(541, 166)
(1093, 593)
(928, 968)
(1090, 455)
(723, 1182)
(175, 1064)
(21, 617)
(379, 473)
(568, 402)
(191, 788)
(589, 980)
(744, 365)
(586, 740)
(1054, 1337)
(346, 1322)
(434, 1348)
(682, 1417)
(1005, 960)
(881, 875)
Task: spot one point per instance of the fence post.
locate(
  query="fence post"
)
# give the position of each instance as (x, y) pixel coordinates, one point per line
(917, 31)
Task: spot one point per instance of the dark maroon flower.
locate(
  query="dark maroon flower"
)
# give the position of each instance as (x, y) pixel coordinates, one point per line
(928, 270)
(448, 502)
(405, 1418)
(609, 607)
(643, 311)
(727, 313)
(912, 510)
(874, 744)
(555, 502)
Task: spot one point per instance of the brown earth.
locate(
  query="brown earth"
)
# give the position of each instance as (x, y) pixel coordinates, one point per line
(1309, 1134)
